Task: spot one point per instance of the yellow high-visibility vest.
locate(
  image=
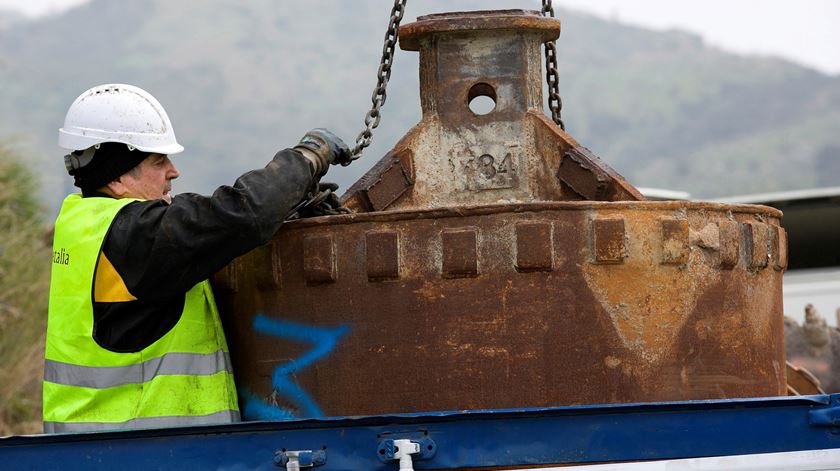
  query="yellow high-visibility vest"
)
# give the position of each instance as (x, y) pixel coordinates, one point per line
(183, 378)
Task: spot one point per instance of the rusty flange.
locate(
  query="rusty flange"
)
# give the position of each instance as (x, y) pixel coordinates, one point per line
(412, 34)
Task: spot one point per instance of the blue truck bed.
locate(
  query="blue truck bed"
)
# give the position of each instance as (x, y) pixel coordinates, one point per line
(488, 439)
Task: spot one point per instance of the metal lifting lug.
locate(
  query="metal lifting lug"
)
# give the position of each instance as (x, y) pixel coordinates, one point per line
(405, 450)
(297, 459)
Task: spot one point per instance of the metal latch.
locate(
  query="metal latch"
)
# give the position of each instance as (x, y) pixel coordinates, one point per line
(404, 449)
(296, 459)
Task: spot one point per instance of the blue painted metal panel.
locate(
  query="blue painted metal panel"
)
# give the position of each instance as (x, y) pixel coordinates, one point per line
(521, 437)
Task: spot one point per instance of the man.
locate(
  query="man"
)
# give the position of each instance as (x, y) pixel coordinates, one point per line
(133, 337)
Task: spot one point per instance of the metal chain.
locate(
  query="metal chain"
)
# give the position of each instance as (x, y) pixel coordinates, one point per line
(383, 75)
(551, 76)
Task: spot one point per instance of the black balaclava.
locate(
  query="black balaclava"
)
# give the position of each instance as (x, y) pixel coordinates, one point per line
(109, 162)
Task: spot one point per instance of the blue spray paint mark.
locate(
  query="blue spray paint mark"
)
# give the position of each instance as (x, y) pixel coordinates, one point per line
(257, 409)
(324, 341)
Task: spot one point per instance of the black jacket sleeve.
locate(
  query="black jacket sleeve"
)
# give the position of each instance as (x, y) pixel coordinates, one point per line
(162, 250)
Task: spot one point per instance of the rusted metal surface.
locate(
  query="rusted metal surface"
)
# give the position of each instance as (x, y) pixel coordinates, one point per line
(459, 253)
(608, 240)
(383, 255)
(800, 382)
(319, 259)
(494, 262)
(512, 154)
(443, 309)
(385, 183)
(534, 246)
(582, 175)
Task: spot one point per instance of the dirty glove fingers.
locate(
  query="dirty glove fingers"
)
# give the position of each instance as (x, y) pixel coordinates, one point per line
(339, 152)
(344, 156)
(323, 186)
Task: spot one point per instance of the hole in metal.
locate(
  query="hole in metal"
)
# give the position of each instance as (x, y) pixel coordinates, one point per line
(482, 98)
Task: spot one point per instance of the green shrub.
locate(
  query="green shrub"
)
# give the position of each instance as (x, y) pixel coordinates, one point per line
(24, 290)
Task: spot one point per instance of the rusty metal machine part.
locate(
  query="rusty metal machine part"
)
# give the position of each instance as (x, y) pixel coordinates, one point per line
(513, 154)
(801, 382)
(513, 305)
(383, 75)
(494, 262)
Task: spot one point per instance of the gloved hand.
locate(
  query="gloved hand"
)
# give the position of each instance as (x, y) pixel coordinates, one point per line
(325, 202)
(323, 148)
(322, 202)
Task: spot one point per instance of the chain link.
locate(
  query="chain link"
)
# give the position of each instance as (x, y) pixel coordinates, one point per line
(382, 76)
(555, 104)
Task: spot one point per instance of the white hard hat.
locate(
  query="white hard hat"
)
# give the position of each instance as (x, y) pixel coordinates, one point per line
(118, 113)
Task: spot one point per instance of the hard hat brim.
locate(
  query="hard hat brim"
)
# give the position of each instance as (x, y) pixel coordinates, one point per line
(70, 140)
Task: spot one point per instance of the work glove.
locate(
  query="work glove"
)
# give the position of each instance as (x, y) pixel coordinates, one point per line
(322, 148)
(323, 202)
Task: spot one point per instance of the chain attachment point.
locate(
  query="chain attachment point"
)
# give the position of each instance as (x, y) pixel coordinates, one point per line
(383, 74)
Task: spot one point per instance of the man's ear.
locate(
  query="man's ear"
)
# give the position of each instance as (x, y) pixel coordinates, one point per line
(116, 188)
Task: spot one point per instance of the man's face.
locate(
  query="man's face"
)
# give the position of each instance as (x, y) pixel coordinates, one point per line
(151, 180)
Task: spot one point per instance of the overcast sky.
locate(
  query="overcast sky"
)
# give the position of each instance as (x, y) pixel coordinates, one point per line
(804, 31)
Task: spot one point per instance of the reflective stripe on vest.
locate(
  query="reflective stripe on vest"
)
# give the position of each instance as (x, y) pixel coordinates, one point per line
(183, 378)
(99, 377)
(146, 422)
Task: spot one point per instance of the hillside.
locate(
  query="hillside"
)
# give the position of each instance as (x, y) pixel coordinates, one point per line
(241, 80)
